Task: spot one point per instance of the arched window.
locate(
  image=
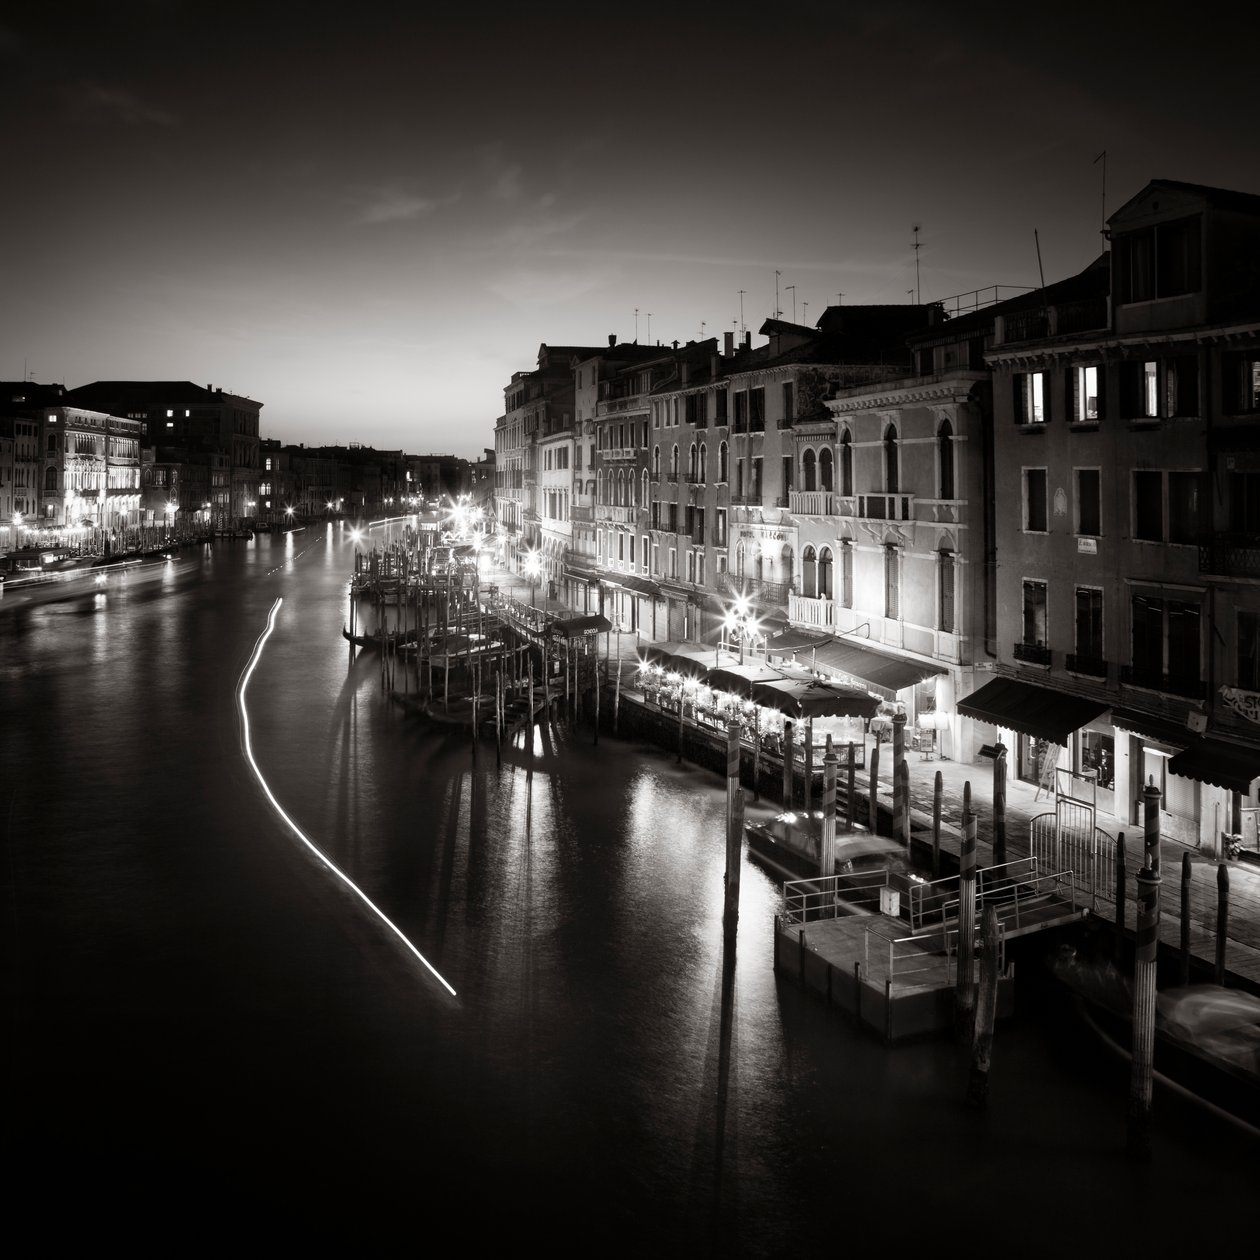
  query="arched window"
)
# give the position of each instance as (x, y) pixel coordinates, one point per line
(673, 461)
(599, 477)
(632, 485)
(945, 457)
(50, 481)
(691, 462)
(647, 494)
(824, 469)
(807, 471)
(809, 573)
(890, 460)
(846, 463)
(945, 590)
(704, 463)
(723, 460)
(824, 573)
(656, 462)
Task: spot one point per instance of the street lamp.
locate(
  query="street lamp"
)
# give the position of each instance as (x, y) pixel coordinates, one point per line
(533, 566)
(741, 621)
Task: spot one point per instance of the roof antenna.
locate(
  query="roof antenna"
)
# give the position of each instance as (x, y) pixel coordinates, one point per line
(741, 309)
(1041, 273)
(636, 325)
(916, 263)
(649, 328)
(1102, 157)
(793, 288)
(777, 312)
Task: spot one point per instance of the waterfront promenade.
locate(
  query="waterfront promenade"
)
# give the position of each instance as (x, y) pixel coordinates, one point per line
(1024, 802)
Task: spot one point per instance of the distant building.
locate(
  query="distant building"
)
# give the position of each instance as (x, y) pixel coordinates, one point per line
(200, 422)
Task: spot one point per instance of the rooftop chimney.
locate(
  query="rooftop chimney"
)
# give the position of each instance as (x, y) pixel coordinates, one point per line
(612, 340)
(748, 341)
(209, 389)
(728, 343)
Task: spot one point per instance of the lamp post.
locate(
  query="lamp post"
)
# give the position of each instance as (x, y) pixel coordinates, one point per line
(741, 622)
(533, 566)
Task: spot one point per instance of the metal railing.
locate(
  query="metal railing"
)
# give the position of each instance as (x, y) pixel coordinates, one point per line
(826, 896)
(1069, 838)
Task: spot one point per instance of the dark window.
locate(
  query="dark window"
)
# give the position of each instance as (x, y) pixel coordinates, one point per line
(824, 469)
(1035, 613)
(824, 574)
(1244, 502)
(846, 464)
(945, 574)
(789, 403)
(1249, 650)
(741, 412)
(757, 410)
(1148, 506)
(890, 461)
(945, 454)
(809, 574)
(809, 464)
(1089, 632)
(892, 583)
(1035, 499)
(846, 574)
(720, 403)
(787, 474)
(1183, 507)
(1177, 257)
(1088, 502)
(1183, 640)
(1181, 383)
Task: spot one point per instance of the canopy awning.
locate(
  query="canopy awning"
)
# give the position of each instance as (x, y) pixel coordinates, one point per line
(861, 660)
(792, 692)
(1231, 766)
(640, 586)
(691, 659)
(1032, 710)
(574, 627)
(792, 639)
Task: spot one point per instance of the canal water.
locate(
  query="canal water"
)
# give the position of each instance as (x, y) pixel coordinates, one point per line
(211, 1039)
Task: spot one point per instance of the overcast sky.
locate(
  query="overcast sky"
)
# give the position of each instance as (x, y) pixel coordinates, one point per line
(368, 216)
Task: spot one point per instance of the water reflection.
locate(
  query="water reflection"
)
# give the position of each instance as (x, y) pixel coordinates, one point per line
(614, 1071)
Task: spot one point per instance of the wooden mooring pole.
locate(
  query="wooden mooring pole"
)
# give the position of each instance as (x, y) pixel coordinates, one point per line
(1222, 919)
(827, 841)
(986, 1012)
(872, 814)
(938, 791)
(999, 805)
(966, 992)
(1120, 893)
(1143, 1049)
(850, 802)
(1185, 918)
(734, 827)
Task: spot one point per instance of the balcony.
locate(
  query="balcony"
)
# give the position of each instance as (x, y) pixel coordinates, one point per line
(885, 507)
(1094, 666)
(1231, 555)
(1169, 684)
(757, 589)
(817, 613)
(811, 503)
(1032, 653)
(581, 513)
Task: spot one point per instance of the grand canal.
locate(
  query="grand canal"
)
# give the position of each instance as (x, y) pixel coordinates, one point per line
(211, 1039)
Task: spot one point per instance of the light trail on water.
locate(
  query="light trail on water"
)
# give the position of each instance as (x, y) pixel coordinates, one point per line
(247, 747)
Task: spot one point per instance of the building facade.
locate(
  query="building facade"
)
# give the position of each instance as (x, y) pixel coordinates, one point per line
(1127, 464)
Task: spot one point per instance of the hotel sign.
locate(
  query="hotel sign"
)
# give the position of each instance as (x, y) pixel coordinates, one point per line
(1087, 546)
